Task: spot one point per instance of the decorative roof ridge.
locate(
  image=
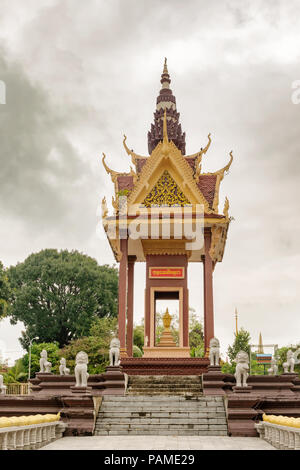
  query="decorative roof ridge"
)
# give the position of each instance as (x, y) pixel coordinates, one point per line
(152, 162)
(134, 156)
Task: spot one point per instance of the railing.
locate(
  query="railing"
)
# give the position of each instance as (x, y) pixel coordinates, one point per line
(15, 435)
(282, 436)
(17, 389)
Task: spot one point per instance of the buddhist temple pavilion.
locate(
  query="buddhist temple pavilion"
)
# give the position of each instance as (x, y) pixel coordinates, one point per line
(154, 202)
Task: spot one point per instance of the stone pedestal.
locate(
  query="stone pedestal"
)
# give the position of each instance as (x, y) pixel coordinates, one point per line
(213, 381)
(114, 381)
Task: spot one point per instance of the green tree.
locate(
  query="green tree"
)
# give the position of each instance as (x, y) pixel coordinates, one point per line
(4, 291)
(137, 352)
(241, 343)
(58, 295)
(138, 336)
(16, 373)
(36, 349)
(96, 345)
(196, 336)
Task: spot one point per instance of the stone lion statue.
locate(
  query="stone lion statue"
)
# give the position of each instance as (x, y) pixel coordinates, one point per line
(242, 367)
(81, 373)
(274, 367)
(45, 365)
(214, 352)
(2, 386)
(114, 352)
(290, 362)
(63, 370)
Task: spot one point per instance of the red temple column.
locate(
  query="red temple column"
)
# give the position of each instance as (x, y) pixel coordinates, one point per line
(123, 296)
(130, 291)
(208, 292)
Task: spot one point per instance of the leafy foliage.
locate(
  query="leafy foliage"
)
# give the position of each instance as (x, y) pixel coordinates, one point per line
(4, 291)
(138, 336)
(196, 336)
(58, 295)
(16, 373)
(36, 349)
(137, 351)
(241, 343)
(96, 345)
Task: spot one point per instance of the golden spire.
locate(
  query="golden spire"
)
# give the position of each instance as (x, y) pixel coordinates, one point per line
(260, 345)
(236, 321)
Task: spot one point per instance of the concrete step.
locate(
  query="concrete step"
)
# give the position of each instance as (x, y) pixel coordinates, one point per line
(162, 413)
(161, 420)
(164, 385)
(128, 399)
(163, 432)
(164, 378)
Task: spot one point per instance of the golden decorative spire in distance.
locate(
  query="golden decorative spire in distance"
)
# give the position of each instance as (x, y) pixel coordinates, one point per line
(236, 321)
(260, 345)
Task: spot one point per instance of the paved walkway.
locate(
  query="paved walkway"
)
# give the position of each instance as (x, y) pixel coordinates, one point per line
(159, 443)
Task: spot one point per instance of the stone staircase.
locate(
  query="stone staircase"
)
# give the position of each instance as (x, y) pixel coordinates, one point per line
(164, 385)
(162, 406)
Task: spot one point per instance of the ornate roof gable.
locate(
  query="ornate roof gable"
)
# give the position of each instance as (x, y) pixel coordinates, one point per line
(167, 157)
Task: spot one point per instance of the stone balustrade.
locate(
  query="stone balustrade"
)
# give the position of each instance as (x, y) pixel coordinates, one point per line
(16, 434)
(285, 436)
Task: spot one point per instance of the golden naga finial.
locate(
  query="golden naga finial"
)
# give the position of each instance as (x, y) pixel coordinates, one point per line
(113, 174)
(199, 155)
(104, 208)
(226, 207)
(221, 172)
(133, 155)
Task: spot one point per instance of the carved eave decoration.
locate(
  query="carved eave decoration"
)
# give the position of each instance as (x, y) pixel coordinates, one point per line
(220, 175)
(114, 177)
(134, 156)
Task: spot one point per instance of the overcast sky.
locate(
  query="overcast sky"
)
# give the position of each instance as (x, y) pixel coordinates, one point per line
(80, 75)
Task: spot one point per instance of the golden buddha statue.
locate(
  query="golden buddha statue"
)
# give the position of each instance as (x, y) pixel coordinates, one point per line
(166, 339)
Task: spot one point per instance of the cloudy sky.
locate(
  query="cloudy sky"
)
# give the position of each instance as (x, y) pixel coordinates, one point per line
(77, 77)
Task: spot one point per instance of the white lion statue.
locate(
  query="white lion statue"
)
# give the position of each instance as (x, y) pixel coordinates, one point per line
(274, 367)
(2, 386)
(290, 362)
(81, 373)
(45, 365)
(214, 352)
(63, 370)
(242, 367)
(114, 352)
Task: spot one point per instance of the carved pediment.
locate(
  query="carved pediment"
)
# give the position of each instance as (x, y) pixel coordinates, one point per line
(166, 192)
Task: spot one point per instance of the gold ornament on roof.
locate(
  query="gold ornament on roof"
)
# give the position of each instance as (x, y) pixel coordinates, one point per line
(166, 193)
(226, 208)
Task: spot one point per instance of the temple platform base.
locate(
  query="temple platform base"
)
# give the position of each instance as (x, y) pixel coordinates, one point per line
(166, 351)
(165, 365)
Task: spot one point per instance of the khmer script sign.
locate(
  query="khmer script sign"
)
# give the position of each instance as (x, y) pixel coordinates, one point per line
(166, 273)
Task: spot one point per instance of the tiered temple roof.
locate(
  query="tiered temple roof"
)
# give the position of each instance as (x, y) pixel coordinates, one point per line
(169, 178)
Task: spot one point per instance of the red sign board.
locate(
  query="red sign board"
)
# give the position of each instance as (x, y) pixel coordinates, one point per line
(166, 273)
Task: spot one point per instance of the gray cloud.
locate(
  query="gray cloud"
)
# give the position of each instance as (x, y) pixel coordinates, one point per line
(79, 77)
